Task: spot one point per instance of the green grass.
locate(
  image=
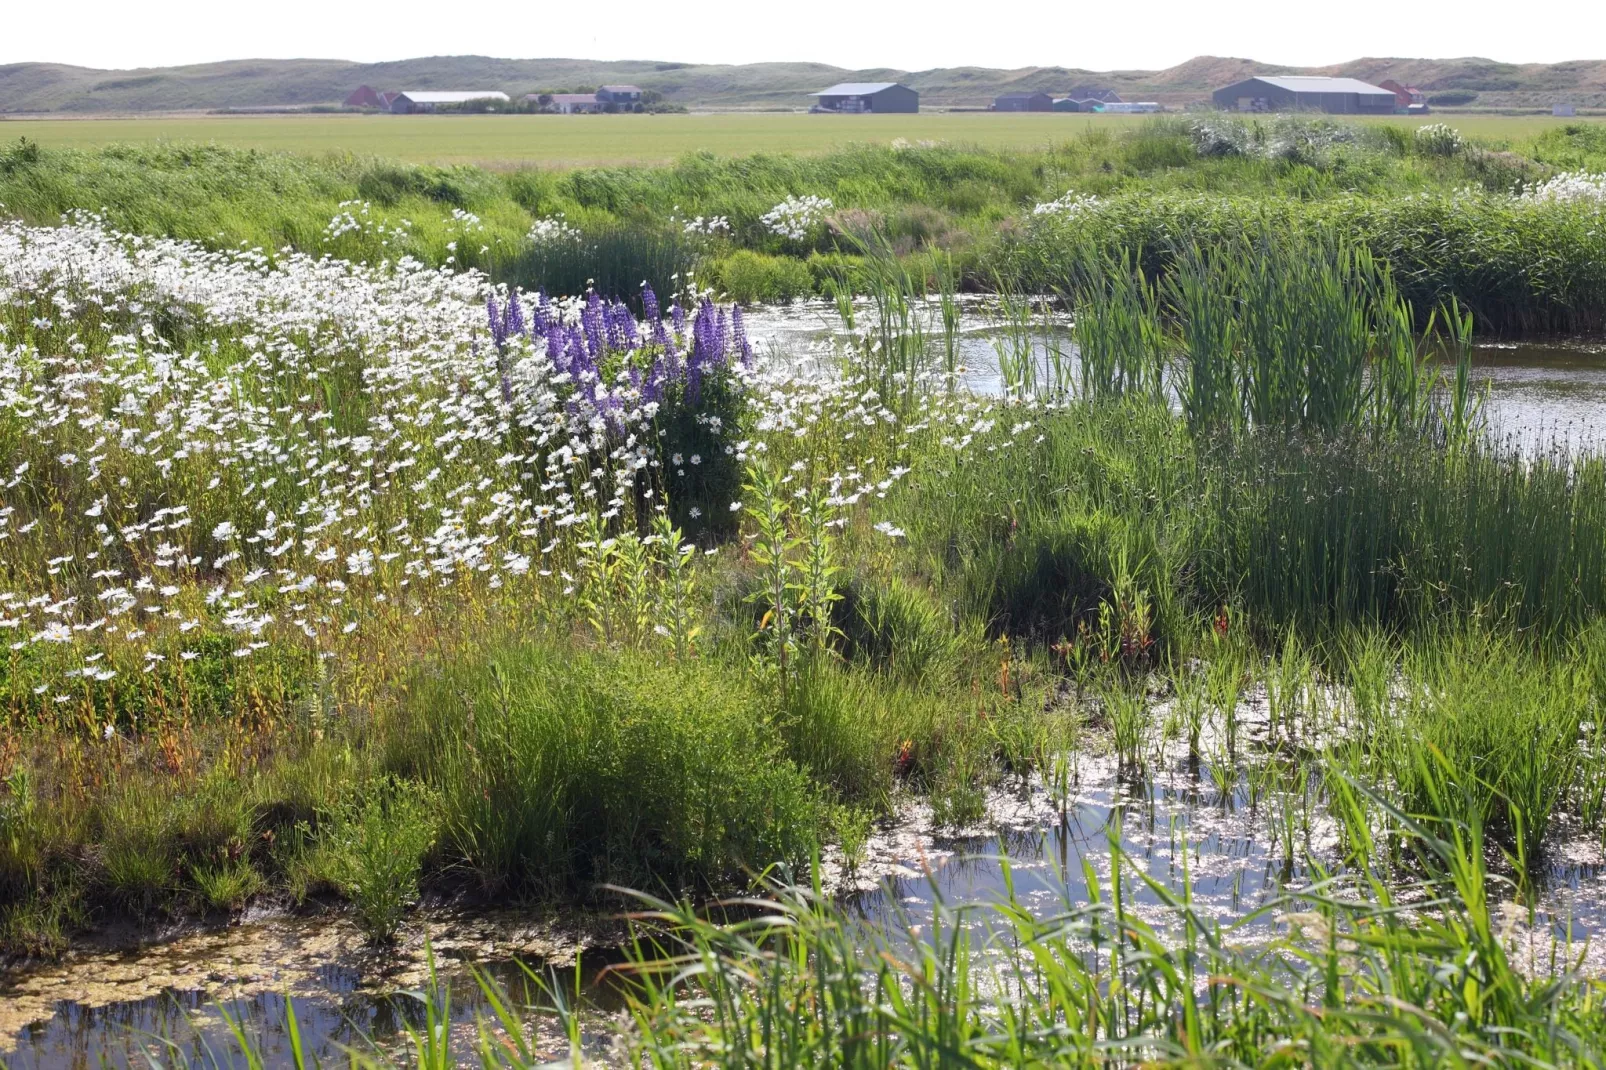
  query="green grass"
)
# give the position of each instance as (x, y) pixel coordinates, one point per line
(562, 141)
(503, 141)
(959, 210)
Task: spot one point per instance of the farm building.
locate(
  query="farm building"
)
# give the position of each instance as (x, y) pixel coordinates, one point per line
(1095, 93)
(620, 97)
(1564, 111)
(414, 102)
(567, 103)
(364, 96)
(1336, 96)
(1404, 95)
(1023, 102)
(866, 98)
(1130, 107)
(1074, 104)
(610, 98)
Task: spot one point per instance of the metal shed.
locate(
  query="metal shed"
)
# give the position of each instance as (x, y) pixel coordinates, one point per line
(1336, 96)
(413, 101)
(1023, 102)
(867, 97)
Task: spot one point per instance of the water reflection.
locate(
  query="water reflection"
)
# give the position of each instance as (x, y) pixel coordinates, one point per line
(1541, 394)
(337, 1015)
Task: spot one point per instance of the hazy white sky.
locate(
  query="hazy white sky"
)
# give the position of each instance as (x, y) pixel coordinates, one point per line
(912, 36)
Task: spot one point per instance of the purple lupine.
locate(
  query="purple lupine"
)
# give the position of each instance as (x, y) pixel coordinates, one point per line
(627, 323)
(653, 389)
(513, 317)
(498, 328)
(614, 329)
(540, 317)
(677, 317)
(591, 320)
(739, 336)
(649, 304)
(554, 342)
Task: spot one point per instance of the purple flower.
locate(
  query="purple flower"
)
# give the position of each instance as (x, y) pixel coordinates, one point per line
(627, 325)
(498, 327)
(615, 329)
(554, 342)
(591, 322)
(739, 335)
(649, 304)
(542, 316)
(513, 317)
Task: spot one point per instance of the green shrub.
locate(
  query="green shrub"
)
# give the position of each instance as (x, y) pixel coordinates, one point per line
(852, 730)
(227, 885)
(750, 278)
(560, 769)
(895, 628)
(375, 846)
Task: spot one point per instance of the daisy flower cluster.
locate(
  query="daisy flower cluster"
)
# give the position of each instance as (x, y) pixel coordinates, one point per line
(1575, 187)
(211, 455)
(797, 217)
(1071, 205)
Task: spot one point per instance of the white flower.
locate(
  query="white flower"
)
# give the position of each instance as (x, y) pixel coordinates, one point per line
(552, 229)
(796, 217)
(223, 531)
(1578, 187)
(1067, 207)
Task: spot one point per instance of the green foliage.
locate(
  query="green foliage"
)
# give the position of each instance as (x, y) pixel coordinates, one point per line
(896, 628)
(613, 259)
(699, 474)
(375, 845)
(748, 277)
(1520, 266)
(559, 770)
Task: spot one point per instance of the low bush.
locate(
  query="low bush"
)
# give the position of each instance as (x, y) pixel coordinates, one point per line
(749, 278)
(559, 770)
(375, 845)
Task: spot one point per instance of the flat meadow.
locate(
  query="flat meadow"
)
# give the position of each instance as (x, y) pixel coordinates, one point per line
(558, 141)
(383, 537)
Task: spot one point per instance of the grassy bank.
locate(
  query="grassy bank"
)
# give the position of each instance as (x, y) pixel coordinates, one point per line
(1147, 187)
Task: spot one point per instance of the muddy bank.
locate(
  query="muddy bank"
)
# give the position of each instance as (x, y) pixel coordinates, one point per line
(277, 953)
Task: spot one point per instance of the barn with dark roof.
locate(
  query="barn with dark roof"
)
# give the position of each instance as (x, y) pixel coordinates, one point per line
(867, 98)
(1335, 96)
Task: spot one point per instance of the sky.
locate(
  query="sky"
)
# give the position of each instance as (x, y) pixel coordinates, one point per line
(1097, 36)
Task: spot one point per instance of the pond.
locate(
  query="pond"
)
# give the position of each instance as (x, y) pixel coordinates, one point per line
(1541, 393)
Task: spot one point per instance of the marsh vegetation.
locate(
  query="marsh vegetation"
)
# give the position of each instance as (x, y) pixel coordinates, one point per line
(332, 578)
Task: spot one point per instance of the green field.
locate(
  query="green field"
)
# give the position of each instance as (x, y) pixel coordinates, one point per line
(565, 141)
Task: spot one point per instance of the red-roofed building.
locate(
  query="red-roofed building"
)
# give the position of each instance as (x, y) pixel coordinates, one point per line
(365, 97)
(1405, 95)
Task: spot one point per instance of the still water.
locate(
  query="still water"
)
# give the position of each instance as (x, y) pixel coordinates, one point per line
(1173, 825)
(1541, 394)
